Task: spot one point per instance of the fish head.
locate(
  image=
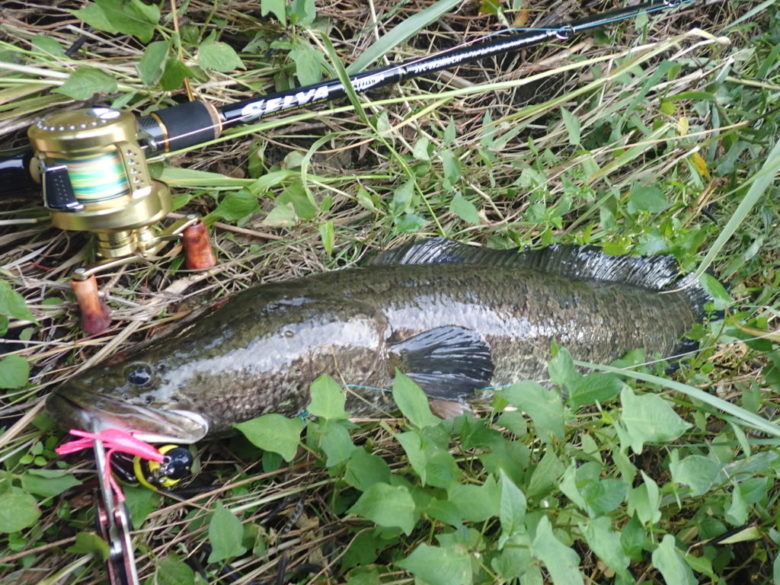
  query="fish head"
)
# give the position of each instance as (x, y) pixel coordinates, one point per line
(126, 397)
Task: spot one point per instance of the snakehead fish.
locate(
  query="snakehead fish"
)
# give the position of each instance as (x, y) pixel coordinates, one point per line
(454, 318)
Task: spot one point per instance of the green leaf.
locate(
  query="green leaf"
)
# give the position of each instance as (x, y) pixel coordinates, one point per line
(273, 432)
(464, 209)
(420, 150)
(13, 304)
(89, 543)
(433, 464)
(308, 63)
(48, 45)
(648, 419)
(697, 472)
(85, 82)
(670, 561)
(413, 402)
(93, 15)
(561, 368)
(328, 236)
(336, 444)
(546, 475)
(542, 405)
(47, 483)
(173, 571)
(648, 198)
(218, 56)
(405, 30)
(225, 535)
(234, 206)
(476, 503)
(174, 74)
(141, 502)
(276, 7)
(364, 469)
(18, 510)
(604, 495)
(605, 542)
(511, 509)
(387, 506)
(151, 65)
(328, 400)
(645, 501)
(303, 12)
(14, 371)
(130, 17)
(572, 126)
(592, 388)
(561, 561)
(282, 215)
(436, 565)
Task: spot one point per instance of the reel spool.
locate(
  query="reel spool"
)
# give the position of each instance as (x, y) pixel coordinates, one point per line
(95, 178)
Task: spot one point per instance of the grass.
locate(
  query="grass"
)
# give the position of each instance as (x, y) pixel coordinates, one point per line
(647, 137)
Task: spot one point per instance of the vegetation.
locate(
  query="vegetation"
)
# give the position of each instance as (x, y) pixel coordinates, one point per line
(647, 137)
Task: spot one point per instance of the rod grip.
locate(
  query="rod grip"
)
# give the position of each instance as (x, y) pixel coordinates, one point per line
(197, 248)
(95, 315)
(177, 127)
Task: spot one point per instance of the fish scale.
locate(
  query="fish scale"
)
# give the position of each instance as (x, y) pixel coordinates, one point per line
(452, 317)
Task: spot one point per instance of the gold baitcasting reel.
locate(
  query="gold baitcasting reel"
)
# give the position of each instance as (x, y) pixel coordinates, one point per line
(95, 178)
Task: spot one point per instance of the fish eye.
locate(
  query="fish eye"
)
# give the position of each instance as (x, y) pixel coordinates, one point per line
(139, 374)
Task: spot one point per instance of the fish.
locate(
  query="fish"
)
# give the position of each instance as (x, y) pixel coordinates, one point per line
(454, 318)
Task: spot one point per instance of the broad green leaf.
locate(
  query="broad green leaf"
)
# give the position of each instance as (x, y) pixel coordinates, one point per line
(18, 510)
(433, 464)
(174, 74)
(14, 371)
(225, 535)
(648, 418)
(546, 475)
(605, 495)
(464, 209)
(308, 63)
(572, 126)
(328, 236)
(645, 501)
(218, 56)
(89, 543)
(737, 512)
(273, 432)
(402, 198)
(276, 7)
(141, 502)
(668, 559)
(476, 503)
(282, 215)
(336, 444)
(405, 30)
(130, 17)
(648, 198)
(151, 65)
(561, 368)
(364, 469)
(234, 206)
(412, 402)
(511, 509)
(305, 207)
(542, 405)
(605, 542)
(85, 82)
(47, 482)
(592, 388)
(48, 45)
(697, 472)
(435, 565)
(561, 561)
(420, 150)
(303, 12)
(387, 506)
(173, 571)
(327, 399)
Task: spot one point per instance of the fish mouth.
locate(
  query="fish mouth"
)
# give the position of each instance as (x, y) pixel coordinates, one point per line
(78, 408)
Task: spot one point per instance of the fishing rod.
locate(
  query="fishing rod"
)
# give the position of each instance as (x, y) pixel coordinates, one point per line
(91, 163)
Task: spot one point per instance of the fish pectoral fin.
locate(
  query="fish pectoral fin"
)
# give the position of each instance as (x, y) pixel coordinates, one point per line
(448, 362)
(448, 408)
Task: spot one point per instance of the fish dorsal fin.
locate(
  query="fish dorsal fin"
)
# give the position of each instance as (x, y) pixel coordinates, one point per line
(575, 262)
(448, 362)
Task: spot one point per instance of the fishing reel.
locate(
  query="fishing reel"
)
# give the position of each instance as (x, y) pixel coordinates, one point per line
(94, 177)
(151, 474)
